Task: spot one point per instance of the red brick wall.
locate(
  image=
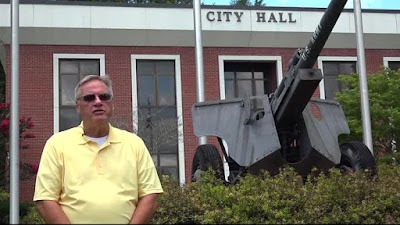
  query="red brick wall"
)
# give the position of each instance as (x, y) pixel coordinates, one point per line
(36, 85)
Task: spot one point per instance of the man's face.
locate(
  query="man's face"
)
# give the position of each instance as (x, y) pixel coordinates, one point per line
(94, 103)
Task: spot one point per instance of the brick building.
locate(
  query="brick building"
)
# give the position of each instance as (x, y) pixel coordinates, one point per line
(149, 52)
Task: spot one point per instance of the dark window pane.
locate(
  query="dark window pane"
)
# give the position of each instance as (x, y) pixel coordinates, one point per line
(243, 75)
(158, 123)
(331, 72)
(394, 65)
(166, 90)
(171, 146)
(68, 83)
(158, 127)
(347, 68)
(146, 91)
(229, 75)
(244, 88)
(71, 71)
(260, 90)
(167, 113)
(331, 87)
(252, 78)
(165, 68)
(68, 118)
(68, 67)
(169, 160)
(229, 89)
(268, 87)
(258, 75)
(155, 159)
(89, 67)
(330, 68)
(145, 68)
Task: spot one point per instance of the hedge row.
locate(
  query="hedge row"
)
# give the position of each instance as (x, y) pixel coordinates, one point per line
(331, 197)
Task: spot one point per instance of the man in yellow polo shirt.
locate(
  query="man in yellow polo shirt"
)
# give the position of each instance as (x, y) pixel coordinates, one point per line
(95, 173)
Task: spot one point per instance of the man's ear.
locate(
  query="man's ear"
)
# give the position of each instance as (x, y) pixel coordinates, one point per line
(78, 109)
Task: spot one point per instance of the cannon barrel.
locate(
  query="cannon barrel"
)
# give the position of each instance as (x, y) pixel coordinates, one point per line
(321, 34)
(300, 80)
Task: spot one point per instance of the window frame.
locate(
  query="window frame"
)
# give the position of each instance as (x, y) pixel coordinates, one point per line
(56, 80)
(386, 60)
(178, 94)
(321, 60)
(244, 58)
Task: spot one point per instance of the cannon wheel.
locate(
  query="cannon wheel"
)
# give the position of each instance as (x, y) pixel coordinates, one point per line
(207, 156)
(356, 157)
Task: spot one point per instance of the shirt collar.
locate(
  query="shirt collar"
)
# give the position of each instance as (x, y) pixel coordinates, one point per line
(112, 135)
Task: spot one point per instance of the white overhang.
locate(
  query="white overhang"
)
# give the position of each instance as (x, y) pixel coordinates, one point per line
(127, 25)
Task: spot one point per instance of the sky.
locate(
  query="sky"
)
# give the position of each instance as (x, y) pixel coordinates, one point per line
(365, 4)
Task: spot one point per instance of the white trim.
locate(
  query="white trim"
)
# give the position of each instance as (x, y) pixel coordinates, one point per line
(330, 58)
(386, 60)
(223, 58)
(56, 58)
(178, 84)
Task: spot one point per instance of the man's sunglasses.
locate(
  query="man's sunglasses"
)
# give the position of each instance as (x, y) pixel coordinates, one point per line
(92, 97)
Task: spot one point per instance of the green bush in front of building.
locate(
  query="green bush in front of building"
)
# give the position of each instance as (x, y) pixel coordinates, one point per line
(332, 197)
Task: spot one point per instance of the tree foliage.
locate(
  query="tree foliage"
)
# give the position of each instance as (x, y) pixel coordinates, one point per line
(384, 107)
(247, 2)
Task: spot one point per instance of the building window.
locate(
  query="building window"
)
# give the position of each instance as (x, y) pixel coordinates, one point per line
(331, 70)
(331, 67)
(394, 65)
(157, 113)
(68, 70)
(249, 78)
(71, 71)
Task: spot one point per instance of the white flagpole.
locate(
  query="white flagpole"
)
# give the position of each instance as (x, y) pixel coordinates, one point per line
(14, 123)
(365, 114)
(199, 56)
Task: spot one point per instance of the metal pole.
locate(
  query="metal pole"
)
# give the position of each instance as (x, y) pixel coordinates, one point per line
(199, 57)
(366, 119)
(14, 123)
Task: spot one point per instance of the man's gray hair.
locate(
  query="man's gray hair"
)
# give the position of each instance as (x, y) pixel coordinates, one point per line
(105, 79)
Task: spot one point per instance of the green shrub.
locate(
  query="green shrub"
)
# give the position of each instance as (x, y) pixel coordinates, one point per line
(286, 198)
(32, 217)
(5, 210)
(176, 207)
(331, 197)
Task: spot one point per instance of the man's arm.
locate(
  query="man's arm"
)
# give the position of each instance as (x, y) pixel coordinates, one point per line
(145, 209)
(51, 212)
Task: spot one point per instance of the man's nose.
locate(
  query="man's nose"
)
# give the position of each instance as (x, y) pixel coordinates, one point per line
(97, 100)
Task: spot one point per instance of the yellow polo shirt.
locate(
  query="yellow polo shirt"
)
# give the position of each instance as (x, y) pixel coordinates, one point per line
(92, 184)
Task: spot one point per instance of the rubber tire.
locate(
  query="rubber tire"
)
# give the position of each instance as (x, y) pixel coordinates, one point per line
(207, 156)
(356, 157)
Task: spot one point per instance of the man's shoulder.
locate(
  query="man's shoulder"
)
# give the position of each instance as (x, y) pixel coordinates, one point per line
(125, 133)
(68, 133)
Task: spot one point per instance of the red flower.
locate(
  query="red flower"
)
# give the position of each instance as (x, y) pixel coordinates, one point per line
(34, 167)
(29, 123)
(4, 105)
(5, 125)
(29, 135)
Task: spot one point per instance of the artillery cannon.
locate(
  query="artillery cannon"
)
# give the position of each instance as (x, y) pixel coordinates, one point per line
(288, 126)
